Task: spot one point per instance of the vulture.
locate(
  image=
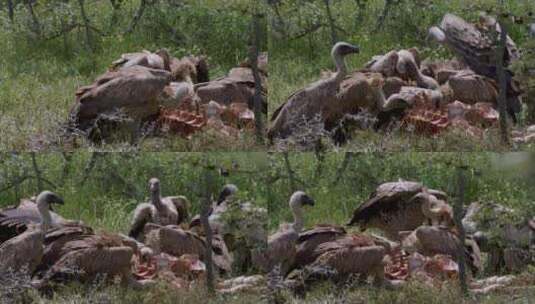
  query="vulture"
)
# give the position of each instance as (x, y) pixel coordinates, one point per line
(309, 240)
(25, 250)
(175, 241)
(432, 240)
(159, 60)
(475, 46)
(513, 242)
(215, 212)
(436, 211)
(238, 86)
(128, 94)
(350, 255)
(403, 64)
(84, 256)
(281, 246)
(393, 208)
(15, 220)
(169, 210)
(319, 98)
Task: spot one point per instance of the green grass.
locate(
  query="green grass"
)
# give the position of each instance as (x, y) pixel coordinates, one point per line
(296, 62)
(38, 77)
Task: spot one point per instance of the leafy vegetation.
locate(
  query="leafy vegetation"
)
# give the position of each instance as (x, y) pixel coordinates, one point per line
(44, 60)
(301, 38)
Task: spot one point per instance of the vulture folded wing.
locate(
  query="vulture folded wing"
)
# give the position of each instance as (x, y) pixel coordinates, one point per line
(181, 204)
(386, 198)
(142, 216)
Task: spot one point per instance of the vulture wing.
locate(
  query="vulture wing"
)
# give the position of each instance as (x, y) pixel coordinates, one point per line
(181, 204)
(142, 216)
(309, 240)
(385, 199)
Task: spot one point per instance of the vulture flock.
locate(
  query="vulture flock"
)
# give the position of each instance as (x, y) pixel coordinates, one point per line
(161, 244)
(156, 93)
(398, 89)
(421, 242)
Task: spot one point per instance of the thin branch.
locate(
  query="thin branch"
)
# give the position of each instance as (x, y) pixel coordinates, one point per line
(38, 174)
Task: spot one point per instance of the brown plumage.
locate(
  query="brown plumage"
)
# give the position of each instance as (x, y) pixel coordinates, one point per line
(310, 239)
(90, 256)
(392, 209)
(319, 98)
(350, 255)
(236, 87)
(470, 88)
(25, 251)
(432, 240)
(281, 246)
(170, 210)
(194, 68)
(15, 220)
(474, 46)
(159, 60)
(56, 240)
(131, 92)
(175, 241)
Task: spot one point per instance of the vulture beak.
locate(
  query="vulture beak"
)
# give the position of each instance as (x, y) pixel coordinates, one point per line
(57, 200)
(307, 200)
(355, 49)
(435, 33)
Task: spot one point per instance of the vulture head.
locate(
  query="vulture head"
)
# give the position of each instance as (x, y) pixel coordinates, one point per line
(338, 52)
(154, 185)
(343, 49)
(46, 198)
(299, 199)
(437, 34)
(228, 191)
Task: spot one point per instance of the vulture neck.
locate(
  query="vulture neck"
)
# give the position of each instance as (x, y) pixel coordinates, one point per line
(46, 217)
(298, 223)
(341, 67)
(156, 199)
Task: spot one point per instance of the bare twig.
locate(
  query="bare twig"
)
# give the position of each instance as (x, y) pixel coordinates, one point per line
(458, 210)
(332, 25)
(89, 167)
(340, 172)
(37, 173)
(291, 176)
(137, 16)
(87, 25)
